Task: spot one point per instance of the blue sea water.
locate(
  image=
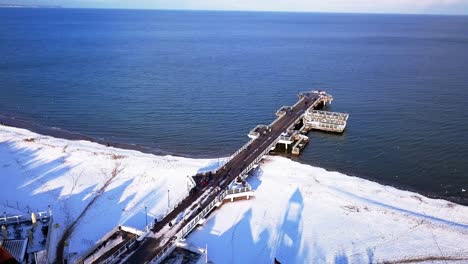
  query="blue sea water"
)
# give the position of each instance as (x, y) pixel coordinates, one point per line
(194, 83)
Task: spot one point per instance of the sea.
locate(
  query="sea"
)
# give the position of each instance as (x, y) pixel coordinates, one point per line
(193, 83)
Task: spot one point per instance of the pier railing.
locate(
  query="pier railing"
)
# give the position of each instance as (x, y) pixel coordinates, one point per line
(188, 227)
(164, 253)
(88, 254)
(124, 248)
(16, 219)
(239, 190)
(257, 160)
(192, 223)
(167, 211)
(239, 150)
(6, 220)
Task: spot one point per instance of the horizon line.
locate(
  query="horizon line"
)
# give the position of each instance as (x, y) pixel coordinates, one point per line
(5, 5)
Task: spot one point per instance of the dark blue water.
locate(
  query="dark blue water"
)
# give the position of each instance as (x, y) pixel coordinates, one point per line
(194, 83)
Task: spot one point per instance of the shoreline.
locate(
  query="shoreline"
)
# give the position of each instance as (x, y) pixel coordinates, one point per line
(68, 135)
(458, 200)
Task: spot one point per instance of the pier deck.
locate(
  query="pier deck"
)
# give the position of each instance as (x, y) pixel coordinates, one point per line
(202, 196)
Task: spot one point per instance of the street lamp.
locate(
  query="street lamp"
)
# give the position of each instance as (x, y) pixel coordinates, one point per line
(168, 200)
(146, 216)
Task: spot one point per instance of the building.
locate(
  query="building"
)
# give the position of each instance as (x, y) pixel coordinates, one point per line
(24, 238)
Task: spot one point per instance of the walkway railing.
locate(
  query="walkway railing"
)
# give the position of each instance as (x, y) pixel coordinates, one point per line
(97, 244)
(16, 219)
(239, 150)
(167, 211)
(164, 253)
(253, 163)
(187, 229)
(124, 248)
(239, 190)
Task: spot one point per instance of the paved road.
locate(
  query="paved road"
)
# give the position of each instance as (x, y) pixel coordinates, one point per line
(151, 246)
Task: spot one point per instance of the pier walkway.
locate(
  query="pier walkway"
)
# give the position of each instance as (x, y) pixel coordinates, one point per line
(212, 188)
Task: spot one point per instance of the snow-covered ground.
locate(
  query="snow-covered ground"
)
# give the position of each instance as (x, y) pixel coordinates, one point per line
(37, 171)
(301, 214)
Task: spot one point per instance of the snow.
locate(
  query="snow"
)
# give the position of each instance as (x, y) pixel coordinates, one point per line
(303, 214)
(300, 214)
(37, 171)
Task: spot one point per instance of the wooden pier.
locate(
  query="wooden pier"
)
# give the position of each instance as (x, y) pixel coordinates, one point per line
(211, 189)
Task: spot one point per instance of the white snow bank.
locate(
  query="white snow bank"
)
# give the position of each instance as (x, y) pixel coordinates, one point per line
(301, 214)
(37, 171)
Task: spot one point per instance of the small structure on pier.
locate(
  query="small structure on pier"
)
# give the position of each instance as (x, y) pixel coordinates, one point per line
(312, 119)
(283, 110)
(240, 189)
(324, 97)
(300, 143)
(258, 130)
(326, 121)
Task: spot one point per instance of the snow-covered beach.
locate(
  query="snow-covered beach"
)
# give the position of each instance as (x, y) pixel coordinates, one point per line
(300, 213)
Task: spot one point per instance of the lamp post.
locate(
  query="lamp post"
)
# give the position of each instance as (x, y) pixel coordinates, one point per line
(168, 200)
(146, 216)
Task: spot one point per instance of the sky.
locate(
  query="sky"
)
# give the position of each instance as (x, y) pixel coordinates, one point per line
(346, 6)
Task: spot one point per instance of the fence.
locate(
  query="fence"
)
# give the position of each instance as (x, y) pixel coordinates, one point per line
(168, 210)
(120, 251)
(16, 219)
(239, 190)
(240, 150)
(187, 229)
(251, 165)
